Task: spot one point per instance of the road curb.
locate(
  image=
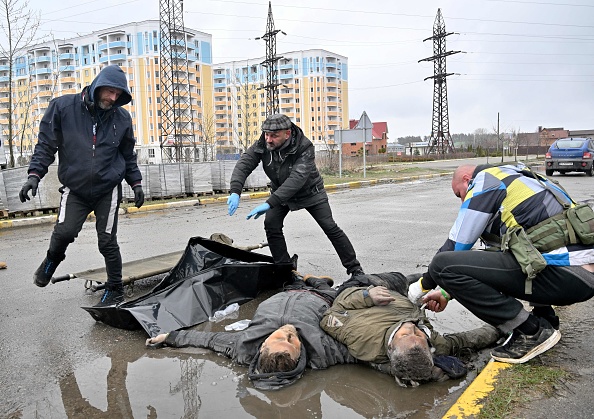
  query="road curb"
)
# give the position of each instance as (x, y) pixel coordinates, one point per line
(48, 219)
(468, 404)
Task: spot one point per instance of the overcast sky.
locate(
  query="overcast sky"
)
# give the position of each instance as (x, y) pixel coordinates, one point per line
(531, 61)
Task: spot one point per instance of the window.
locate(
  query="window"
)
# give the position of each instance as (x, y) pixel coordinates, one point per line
(151, 152)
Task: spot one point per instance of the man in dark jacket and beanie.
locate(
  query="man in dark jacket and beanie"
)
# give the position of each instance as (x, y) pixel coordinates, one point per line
(288, 159)
(94, 139)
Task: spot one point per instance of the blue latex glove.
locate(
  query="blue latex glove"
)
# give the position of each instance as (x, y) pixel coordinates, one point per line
(233, 203)
(259, 210)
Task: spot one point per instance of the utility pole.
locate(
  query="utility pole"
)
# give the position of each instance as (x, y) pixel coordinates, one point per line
(499, 138)
(177, 125)
(271, 64)
(441, 140)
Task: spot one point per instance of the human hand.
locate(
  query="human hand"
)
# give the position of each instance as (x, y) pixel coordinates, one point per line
(436, 300)
(233, 203)
(380, 296)
(157, 339)
(138, 196)
(259, 210)
(416, 292)
(30, 185)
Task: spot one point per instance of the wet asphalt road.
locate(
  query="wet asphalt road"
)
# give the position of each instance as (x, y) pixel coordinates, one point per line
(58, 362)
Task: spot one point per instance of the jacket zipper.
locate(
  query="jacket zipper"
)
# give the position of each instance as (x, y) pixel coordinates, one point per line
(94, 136)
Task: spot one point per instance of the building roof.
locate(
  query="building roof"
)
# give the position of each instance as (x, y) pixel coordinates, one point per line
(379, 128)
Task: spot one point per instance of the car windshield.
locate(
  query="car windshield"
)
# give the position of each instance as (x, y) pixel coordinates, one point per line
(569, 143)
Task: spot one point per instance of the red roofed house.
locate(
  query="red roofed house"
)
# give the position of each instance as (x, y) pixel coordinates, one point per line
(379, 140)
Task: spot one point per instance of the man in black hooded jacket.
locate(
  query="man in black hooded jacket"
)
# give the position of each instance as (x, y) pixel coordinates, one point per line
(94, 139)
(288, 159)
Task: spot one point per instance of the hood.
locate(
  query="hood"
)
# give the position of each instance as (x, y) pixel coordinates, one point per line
(276, 380)
(112, 76)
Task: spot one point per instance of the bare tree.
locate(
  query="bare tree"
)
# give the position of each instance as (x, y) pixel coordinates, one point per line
(24, 120)
(206, 126)
(20, 27)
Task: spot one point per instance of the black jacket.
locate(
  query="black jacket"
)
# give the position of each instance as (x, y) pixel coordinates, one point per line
(90, 167)
(301, 308)
(294, 178)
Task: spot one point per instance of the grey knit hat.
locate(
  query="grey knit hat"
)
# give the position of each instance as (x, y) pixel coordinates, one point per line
(276, 122)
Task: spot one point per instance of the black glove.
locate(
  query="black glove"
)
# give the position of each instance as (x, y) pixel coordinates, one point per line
(138, 196)
(30, 185)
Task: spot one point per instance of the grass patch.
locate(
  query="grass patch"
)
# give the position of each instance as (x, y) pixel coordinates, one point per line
(518, 385)
(379, 172)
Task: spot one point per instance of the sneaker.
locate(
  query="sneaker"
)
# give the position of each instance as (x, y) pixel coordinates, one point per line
(44, 273)
(520, 347)
(111, 296)
(316, 281)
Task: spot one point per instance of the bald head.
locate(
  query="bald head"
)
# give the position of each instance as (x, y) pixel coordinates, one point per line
(461, 179)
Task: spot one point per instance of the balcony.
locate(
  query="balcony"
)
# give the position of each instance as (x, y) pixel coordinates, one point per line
(67, 80)
(42, 82)
(117, 44)
(45, 93)
(68, 91)
(66, 68)
(41, 59)
(66, 56)
(39, 72)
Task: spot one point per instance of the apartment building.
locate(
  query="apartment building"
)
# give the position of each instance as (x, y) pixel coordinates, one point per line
(313, 92)
(63, 66)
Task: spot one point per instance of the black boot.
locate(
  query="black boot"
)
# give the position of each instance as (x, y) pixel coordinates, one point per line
(44, 273)
(319, 282)
(113, 295)
(357, 272)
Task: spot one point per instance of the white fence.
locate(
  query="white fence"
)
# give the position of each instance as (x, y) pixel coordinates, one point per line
(158, 181)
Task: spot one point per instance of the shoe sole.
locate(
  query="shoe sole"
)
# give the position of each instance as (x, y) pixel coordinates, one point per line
(543, 347)
(41, 284)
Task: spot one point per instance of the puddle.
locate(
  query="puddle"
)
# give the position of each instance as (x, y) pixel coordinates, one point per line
(170, 384)
(135, 382)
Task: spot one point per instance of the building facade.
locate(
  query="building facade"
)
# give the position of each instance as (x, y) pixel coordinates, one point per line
(59, 67)
(313, 92)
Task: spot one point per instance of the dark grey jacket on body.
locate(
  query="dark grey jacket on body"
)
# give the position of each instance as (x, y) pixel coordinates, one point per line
(301, 308)
(90, 164)
(294, 178)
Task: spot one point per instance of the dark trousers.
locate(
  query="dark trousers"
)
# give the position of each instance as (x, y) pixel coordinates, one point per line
(321, 212)
(72, 214)
(487, 283)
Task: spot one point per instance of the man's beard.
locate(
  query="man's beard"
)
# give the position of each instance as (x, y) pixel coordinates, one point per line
(271, 147)
(105, 105)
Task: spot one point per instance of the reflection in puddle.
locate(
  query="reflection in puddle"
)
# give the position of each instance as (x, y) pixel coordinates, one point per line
(191, 384)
